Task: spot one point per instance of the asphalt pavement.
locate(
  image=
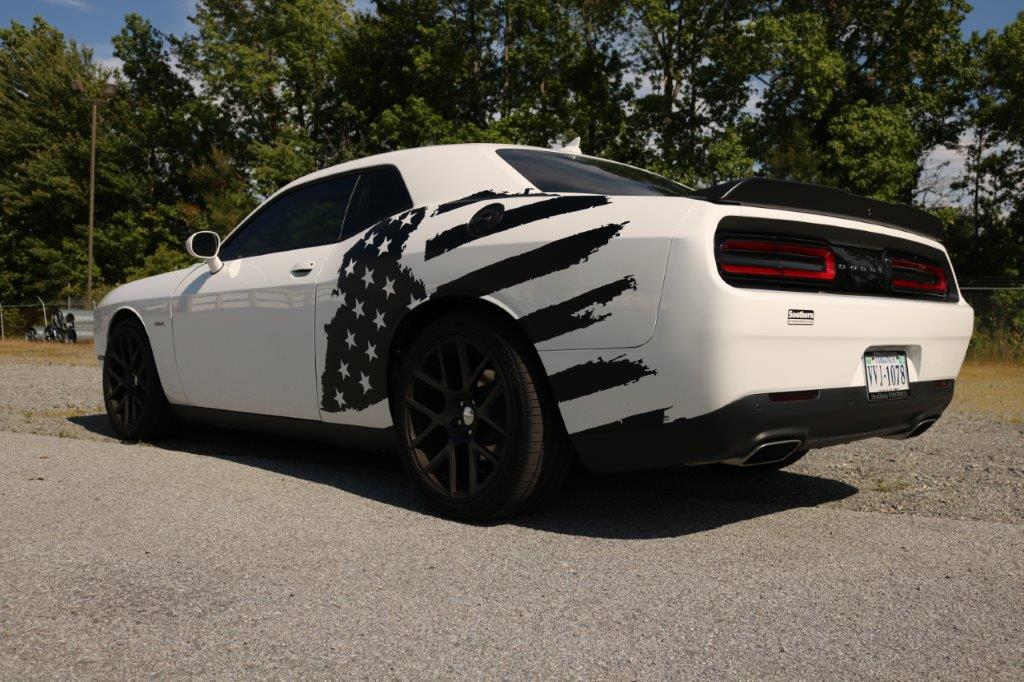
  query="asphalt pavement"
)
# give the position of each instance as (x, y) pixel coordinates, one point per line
(223, 555)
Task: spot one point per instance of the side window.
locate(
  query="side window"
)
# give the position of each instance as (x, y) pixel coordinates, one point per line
(311, 215)
(379, 194)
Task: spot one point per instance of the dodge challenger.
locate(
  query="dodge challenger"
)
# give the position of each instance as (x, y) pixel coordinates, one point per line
(492, 312)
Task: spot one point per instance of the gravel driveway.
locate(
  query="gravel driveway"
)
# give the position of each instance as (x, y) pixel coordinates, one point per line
(220, 554)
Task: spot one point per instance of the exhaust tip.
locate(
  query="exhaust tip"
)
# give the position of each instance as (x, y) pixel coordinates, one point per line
(921, 427)
(772, 451)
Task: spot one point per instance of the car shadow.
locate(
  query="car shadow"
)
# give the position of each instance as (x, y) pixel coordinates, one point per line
(634, 505)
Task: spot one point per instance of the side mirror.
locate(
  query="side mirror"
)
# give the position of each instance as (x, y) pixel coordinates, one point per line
(205, 246)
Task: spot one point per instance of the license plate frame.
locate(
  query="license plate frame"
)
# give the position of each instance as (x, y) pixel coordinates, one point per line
(886, 375)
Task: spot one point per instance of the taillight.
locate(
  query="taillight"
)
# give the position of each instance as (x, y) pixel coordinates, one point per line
(913, 275)
(751, 258)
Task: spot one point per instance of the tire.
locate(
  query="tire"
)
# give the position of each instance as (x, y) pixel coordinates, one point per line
(769, 466)
(132, 393)
(479, 438)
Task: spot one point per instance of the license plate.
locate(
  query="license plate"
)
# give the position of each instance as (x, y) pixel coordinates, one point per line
(887, 375)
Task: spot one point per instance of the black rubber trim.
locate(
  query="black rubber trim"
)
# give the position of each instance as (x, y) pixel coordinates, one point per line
(808, 198)
(837, 415)
(345, 435)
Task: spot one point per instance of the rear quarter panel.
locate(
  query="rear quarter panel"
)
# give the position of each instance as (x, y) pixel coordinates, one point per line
(577, 271)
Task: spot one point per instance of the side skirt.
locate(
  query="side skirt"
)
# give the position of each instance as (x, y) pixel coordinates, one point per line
(344, 435)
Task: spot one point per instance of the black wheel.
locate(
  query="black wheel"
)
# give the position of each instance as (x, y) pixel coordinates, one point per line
(478, 440)
(72, 336)
(770, 466)
(135, 400)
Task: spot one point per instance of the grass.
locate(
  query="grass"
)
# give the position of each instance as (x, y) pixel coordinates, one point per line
(43, 353)
(882, 486)
(991, 389)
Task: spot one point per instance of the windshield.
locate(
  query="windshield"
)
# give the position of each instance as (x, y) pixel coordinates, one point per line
(560, 172)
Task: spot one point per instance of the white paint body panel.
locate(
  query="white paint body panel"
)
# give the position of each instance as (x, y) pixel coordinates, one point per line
(243, 336)
(716, 343)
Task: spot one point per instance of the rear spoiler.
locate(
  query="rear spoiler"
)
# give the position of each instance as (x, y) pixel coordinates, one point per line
(801, 196)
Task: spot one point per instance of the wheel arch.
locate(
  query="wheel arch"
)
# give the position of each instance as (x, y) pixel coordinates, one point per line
(416, 320)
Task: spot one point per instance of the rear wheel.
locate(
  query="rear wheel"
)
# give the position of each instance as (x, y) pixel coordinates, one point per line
(479, 441)
(135, 400)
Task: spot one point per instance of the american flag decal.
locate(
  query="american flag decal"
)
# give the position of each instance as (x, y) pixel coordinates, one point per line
(374, 291)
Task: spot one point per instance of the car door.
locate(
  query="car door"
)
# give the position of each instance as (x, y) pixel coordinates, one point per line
(353, 295)
(243, 336)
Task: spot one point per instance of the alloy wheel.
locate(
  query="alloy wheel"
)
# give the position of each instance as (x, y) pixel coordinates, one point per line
(457, 417)
(126, 379)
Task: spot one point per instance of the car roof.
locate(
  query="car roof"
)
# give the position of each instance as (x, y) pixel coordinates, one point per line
(441, 172)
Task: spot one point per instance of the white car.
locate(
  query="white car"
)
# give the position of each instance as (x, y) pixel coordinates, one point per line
(492, 311)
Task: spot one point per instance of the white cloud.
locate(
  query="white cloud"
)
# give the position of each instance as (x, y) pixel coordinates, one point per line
(76, 4)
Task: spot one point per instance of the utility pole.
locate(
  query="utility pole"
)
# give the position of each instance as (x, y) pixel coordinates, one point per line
(108, 91)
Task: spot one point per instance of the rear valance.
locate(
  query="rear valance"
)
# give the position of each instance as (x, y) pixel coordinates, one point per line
(800, 196)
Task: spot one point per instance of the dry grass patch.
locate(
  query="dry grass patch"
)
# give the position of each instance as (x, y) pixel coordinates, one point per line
(991, 389)
(43, 353)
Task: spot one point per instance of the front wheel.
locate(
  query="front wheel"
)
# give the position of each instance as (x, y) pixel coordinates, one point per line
(132, 393)
(480, 441)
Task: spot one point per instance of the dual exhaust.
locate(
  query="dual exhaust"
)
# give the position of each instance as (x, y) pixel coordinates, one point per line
(777, 450)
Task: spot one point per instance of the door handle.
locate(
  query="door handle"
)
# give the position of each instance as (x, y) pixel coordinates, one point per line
(302, 269)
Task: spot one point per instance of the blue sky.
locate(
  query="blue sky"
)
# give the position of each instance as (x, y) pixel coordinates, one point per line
(93, 22)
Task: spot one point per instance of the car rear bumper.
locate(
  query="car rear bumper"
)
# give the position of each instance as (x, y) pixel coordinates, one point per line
(738, 430)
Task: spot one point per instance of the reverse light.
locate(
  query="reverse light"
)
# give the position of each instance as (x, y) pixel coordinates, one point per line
(752, 258)
(913, 275)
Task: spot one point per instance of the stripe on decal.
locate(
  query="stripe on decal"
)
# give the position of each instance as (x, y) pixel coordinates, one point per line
(544, 260)
(575, 313)
(515, 217)
(597, 375)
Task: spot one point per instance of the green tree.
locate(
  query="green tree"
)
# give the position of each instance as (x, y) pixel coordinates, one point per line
(696, 58)
(268, 65)
(840, 77)
(44, 152)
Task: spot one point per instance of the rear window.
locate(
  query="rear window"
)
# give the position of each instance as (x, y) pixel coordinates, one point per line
(559, 172)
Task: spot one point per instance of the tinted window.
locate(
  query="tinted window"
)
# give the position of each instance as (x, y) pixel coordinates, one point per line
(557, 172)
(379, 194)
(311, 215)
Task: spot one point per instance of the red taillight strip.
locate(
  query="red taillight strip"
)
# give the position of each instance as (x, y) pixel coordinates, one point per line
(939, 286)
(827, 273)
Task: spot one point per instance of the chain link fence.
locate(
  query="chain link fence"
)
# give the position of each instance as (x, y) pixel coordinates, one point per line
(16, 319)
(998, 317)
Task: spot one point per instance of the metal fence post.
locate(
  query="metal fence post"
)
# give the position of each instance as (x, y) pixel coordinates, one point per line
(3, 334)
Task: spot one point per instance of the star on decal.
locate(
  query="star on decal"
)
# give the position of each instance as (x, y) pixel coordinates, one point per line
(383, 247)
(351, 341)
(368, 277)
(371, 351)
(364, 381)
(344, 370)
(358, 308)
(378, 320)
(407, 218)
(413, 301)
(389, 287)
(350, 268)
